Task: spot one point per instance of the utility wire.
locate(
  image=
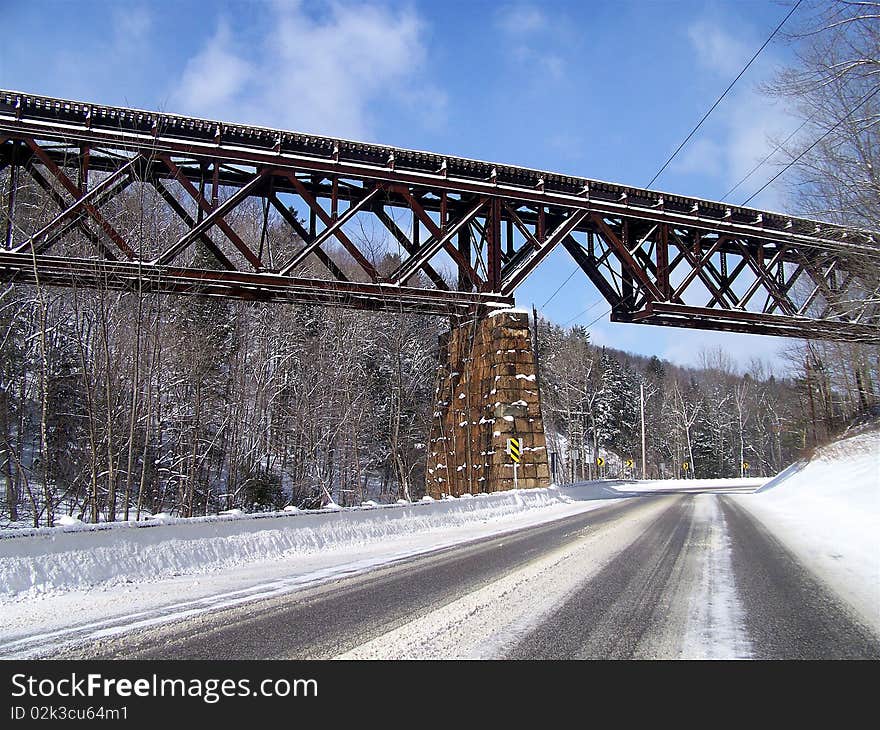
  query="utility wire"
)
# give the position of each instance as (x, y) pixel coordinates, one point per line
(578, 316)
(601, 316)
(559, 288)
(764, 161)
(718, 101)
(773, 179)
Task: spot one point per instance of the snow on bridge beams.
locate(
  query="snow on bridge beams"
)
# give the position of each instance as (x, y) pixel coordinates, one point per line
(293, 217)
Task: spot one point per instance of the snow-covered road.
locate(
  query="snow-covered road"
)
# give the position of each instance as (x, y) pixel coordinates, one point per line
(664, 576)
(611, 569)
(673, 577)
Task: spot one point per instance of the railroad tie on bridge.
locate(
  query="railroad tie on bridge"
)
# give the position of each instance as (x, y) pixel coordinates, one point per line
(487, 392)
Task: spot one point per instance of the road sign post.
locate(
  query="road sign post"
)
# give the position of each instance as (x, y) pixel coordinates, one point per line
(514, 451)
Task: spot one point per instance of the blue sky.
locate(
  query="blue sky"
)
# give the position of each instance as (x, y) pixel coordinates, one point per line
(601, 89)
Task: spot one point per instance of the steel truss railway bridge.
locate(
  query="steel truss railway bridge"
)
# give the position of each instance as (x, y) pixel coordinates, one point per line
(657, 258)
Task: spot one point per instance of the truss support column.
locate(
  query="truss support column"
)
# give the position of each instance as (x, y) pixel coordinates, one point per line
(487, 392)
(663, 262)
(464, 248)
(493, 241)
(10, 200)
(85, 152)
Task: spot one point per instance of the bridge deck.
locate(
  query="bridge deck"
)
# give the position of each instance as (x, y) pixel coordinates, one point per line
(656, 257)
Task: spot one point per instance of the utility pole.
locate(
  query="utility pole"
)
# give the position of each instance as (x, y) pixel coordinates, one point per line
(642, 409)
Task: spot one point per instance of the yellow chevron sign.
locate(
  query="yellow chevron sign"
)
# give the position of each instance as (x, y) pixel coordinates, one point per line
(600, 461)
(629, 463)
(514, 449)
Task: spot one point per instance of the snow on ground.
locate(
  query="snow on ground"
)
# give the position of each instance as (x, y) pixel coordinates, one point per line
(74, 583)
(81, 581)
(827, 511)
(79, 556)
(747, 484)
(715, 627)
(47, 560)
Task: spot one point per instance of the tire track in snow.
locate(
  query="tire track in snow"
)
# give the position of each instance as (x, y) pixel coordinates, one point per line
(490, 622)
(716, 624)
(621, 613)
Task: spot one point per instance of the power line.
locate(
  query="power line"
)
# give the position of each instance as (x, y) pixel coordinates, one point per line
(762, 162)
(601, 316)
(773, 179)
(718, 101)
(559, 288)
(581, 314)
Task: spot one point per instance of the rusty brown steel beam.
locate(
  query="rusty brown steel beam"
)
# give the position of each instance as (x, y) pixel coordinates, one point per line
(663, 270)
(61, 204)
(433, 246)
(702, 268)
(408, 245)
(556, 237)
(335, 226)
(22, 113)
(316, 210)
(625, 257)
(83, 200)
(696, 264)
(182, 213)
(214, 217)
(320, 254)
(770, 284)
(731, 278)
(316, 189)
(756, 284)
(10, 201)
(635, 227)
(73, 189)
(208, 208)
(443, 239)
(108, 195)
(137, 276)
(674, 315)
(589, 267)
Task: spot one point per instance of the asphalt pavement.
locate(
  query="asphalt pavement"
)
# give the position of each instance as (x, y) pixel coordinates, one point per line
(710, 560)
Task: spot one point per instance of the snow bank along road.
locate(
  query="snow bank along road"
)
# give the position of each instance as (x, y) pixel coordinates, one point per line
(663, 575)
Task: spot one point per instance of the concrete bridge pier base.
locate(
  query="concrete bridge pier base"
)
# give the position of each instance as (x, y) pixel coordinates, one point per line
(487, 393)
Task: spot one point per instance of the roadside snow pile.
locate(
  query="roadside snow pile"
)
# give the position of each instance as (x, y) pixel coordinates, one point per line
(827, 511)
(695, 485)
(47, 560)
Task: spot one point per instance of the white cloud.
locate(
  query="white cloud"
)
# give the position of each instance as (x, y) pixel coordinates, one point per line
(318, 73)
(543, 63)
(703, 156)
(131, 23)
(532, 42)
(743, 129)
(214, 77)
(716, 49)
(754, 126)
(520, 19)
